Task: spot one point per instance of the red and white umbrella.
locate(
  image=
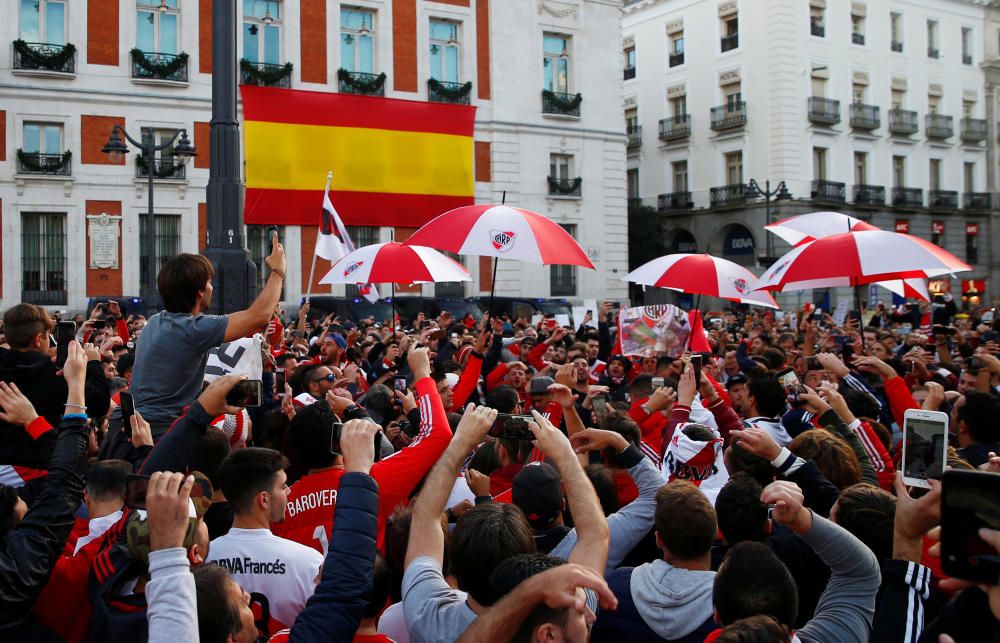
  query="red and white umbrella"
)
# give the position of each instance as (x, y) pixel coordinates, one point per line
(859, 258)
(702, 274)
(396, 263)
(503, 232)
(816, 225)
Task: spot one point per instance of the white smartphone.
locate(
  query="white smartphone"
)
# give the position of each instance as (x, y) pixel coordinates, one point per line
(925, 446)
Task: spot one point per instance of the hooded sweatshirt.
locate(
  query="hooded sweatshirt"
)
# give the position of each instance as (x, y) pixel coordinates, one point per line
(657, 598)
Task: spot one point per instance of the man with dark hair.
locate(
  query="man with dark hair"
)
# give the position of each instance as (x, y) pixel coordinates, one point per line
(104, 497)
(975, 423)
(766, 402)
(224, 614)
(315, 381)
(282, 571)
(172, 351)
(668, 599)
(868, 513)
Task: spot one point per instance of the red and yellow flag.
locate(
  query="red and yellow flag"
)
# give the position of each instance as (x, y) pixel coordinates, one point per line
(394, 162)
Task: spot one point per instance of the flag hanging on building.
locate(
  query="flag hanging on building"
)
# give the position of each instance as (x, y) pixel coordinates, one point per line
(396, 162)
(334, 242)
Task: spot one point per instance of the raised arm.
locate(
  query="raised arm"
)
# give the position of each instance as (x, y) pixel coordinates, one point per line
(260, 311)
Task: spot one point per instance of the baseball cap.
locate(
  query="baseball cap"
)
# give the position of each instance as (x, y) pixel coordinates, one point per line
(540, 385)
(739, 378)
(537, 490)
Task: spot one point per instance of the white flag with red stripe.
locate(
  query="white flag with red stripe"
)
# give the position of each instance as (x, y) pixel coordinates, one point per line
(334, 243)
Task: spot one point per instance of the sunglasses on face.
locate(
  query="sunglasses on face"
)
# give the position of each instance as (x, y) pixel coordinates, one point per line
(329, 377)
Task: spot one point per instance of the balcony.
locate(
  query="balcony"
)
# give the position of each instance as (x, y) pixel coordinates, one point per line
(897, 46)
(727, 195)
(908, 197)
(45, 164)
(629, 73)
(439, 91)
(858, 38)
(973, 129)
(361, 83)
(147, 65)
(932, 52)
(676, 60)
(903, 121)
(634, 203)
(939, 126)
(634, 133)
(817, 30)
(561, 103)
(828, 191)
(676, 127)
(730, 42)
(944, 199)
(966, 59)
(674, 201)
(865, 194)
(265, 74)
(565, 187)
(977, 200)
(163, 168)
(44, 57)
(865, 116)
(729, 116)
(823, 111)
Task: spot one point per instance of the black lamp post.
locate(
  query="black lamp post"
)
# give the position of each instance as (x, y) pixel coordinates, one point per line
(779, 193)
(116, 148)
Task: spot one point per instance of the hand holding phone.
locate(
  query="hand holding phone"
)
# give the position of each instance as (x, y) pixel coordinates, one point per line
(600, 404)
(246, 393)
(925, 446)
(514, 427)
(65, 333)
(970, 501)
(792, 385)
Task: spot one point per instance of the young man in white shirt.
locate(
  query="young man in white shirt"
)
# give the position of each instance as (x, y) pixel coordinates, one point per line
(282, 572)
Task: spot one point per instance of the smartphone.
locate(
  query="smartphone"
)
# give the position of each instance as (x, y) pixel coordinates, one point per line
(970, 500)
(399, 384)
(335, 440)
(989, 336)
(100, 324)
(696, 364)
(515, 427)
(272, 233)
(279, 382)
(135, 491)
(841, 340)
(925, 446)
(128, 410)
(658, 383)
(245, 393)
(590, 312)
(793, 387)
(437, 335)
(600, 404)
(65, 333)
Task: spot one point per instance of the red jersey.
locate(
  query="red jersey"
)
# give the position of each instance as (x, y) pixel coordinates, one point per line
(311, 500)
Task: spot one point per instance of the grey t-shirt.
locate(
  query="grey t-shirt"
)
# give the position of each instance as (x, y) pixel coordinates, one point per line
(170, 360)
(435, 613)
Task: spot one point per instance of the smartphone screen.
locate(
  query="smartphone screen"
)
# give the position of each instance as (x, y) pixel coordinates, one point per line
(925, 444)
(696, 364)
(790, 382)
(600, 404)
(245, 393)
(128, 410)
(399, 384)
(65, 333)
(658, 383)
(279, 382)
(100, 324)
(514, 427)
(970, 500)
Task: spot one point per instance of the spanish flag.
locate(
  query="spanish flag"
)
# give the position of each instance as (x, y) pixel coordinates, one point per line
(394, 162)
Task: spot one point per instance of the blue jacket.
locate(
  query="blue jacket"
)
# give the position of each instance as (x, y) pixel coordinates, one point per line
(334, 612)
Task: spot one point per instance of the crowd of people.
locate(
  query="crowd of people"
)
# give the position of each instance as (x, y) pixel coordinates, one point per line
(438, 479)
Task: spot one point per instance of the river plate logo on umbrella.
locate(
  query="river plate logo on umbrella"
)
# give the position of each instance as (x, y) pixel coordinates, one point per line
(740, 285)
(353, 267)
(502, 241)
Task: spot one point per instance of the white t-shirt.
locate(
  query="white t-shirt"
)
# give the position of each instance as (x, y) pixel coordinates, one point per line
(97, 528)
(282, 570)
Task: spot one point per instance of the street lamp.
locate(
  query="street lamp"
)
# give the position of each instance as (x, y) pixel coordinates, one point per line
(116, 149)
(779, 193)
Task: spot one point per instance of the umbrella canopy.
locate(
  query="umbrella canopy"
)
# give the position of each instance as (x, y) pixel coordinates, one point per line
(396, 263)
(503, 232)
(701, 275)
(858, 258)
(816, 225)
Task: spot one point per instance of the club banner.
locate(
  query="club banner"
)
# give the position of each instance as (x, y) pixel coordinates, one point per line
(240, 357)
(394, 162)
(648, 331)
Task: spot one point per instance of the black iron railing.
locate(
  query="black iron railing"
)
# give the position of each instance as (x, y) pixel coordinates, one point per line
(561, 103)
(634, 133)
(43, 259)
(149, 65)
(942, 199)
(977, 200)
(908, 197)
(865, 116)
(966, 59)
(675, 127)
(817, 30)
(939, 126)
(565, 187)
(858, 38)
(866, 194)
(45, 56)
(359, 82)
(824, 111)
(897, 46)
(730, 42)
(440, 91)
(829, 191)
(48, 164)
(629, 73)
(676, 60)
(903, 121)
(932, 52)
(163, 168)
(265, 74)
(729, 116)
(973, 129)
(674, 201)
(724, 195)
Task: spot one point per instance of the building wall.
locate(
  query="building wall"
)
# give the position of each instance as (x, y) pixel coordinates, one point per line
(776, 62)
(501, 45)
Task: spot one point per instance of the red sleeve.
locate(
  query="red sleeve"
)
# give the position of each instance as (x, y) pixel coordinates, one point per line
(651, 425)
(885, 469)
(726, 418)
(553, 413)
(534, 357)
(679, 415)
(122, 327)
(495, 378)
(899, 398)
(398, 474)
(38, 427)
(466, 382)
(721, 390)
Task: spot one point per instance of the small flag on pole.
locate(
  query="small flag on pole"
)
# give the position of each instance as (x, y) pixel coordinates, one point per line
(333, 242)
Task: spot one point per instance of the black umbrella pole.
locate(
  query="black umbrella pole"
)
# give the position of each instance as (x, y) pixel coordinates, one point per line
(493, 287)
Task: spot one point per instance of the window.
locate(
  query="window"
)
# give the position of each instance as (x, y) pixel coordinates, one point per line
(632, 183)
(968, 109)
(679, 106)
(556, 63)
(971, 248)
(562, 279)
(816, 23)
(167, 242)
(42, 138)
(734, 168)
(937, 227)
(734, 97)
(262, 31)
(933, 103)
(896, 29)
(932, 41)
(444, 51)
(858, 92)
(934, 174)
(156, 26)
(680, 171)
(819, 163)
(969, 177)
(43, 21)
(818, 86)
(357, 40)
(857, 29)
(899, 171)
(43, 258)
(731, 31)
(860, 168)
(560, 166)
(631, 120)
(898, 96)
(966, 46)
(629, 63)
(676, 49)
(259, 245)
(164, 163)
